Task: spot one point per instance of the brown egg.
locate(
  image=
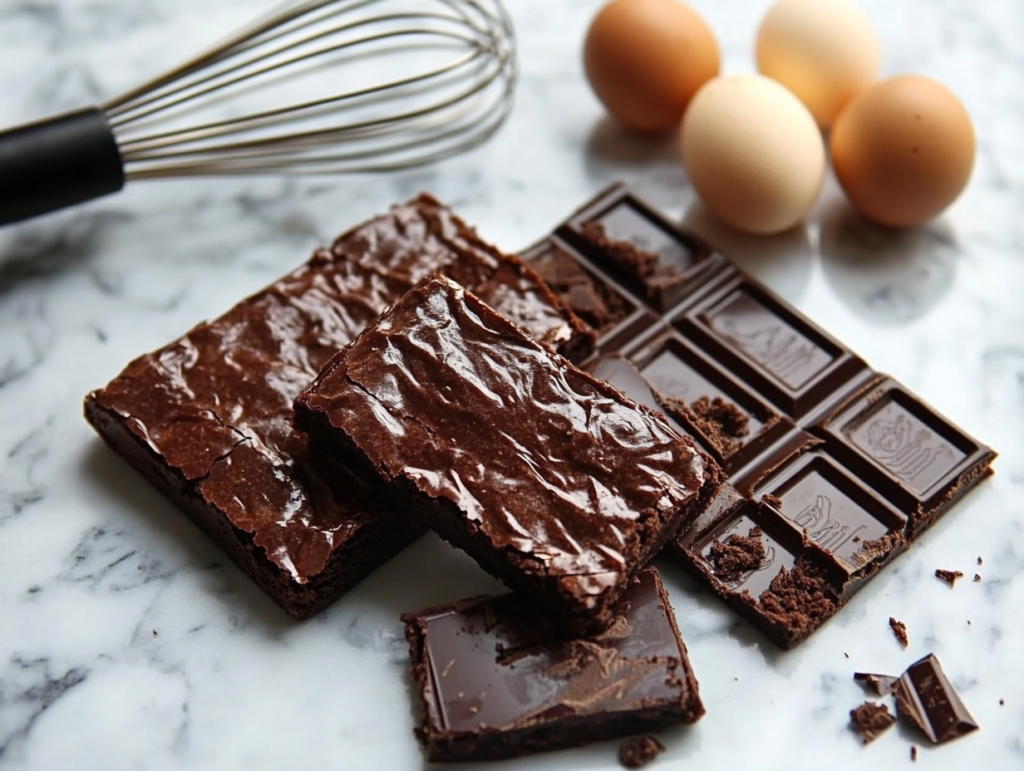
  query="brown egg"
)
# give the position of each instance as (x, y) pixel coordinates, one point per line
(646, 58)
(903, 150)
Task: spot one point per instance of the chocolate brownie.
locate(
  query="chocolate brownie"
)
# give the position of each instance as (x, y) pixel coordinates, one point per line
(208, 418)
(552, 480)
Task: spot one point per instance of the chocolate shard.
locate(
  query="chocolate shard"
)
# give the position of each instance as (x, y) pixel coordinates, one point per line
(926, 698)
(899, 630)
(880, 684)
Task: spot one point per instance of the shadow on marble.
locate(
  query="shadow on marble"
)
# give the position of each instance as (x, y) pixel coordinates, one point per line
(230, 587)
(51, 245)
(609, 143)
(783, 261)
(886, 277)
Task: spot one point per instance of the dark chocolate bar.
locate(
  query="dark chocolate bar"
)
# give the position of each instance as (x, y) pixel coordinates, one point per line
(208, 418)
(497, 679)
(550, 479)
(833, 469)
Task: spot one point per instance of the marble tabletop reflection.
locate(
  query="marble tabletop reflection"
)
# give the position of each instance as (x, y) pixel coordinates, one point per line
(128, 641)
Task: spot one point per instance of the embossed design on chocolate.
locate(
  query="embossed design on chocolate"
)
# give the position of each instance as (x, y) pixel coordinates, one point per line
(786, 354)
(827, 532)
(906, 452)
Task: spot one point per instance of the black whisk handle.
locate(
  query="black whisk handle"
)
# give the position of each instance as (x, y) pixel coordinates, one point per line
(56, 163)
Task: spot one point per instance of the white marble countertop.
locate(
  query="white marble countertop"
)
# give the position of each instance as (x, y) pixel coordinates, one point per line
(127, 641)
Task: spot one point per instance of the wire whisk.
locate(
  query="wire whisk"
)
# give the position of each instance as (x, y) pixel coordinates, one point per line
(320, 87)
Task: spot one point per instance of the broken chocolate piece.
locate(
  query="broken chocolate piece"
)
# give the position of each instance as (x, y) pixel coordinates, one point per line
(949, 576)
(880, 684)
(926, 698)
(899, 630)
(639, 751)
(871, 720)
(517, 685)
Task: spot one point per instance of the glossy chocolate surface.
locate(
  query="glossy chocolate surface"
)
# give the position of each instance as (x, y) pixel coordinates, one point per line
(835, 468)
(494, 673)
(537, 456)
(215, 407)
(926, 698)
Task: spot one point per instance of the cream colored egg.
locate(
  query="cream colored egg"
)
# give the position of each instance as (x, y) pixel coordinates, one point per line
(824, 51)
(753, 152)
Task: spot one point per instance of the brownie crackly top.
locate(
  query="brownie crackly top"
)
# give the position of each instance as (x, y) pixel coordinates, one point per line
(543, 458)
(215, 406)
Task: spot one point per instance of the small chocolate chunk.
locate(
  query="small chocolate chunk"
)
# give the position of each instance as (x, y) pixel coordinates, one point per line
(926, 698)
(639, 751)
(977, 577)
(871, 720)
(913, 752)
(899, 629)
(880, 684)
(949, 576)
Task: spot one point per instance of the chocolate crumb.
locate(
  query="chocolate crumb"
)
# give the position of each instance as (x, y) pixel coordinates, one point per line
(154, 633)
(638, 751)
(772, 500)
(871, 720)
(899, 629)
(722, 422)
(626, 255)
(846, 654)
(798, 601)
(977, 577)
(913, 752)
(968, 622)
(1002, 702)
(979, 561)
(856, 539)
(949, 576)
(737, 555)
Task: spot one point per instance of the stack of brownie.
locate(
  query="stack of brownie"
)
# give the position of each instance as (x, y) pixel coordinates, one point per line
(414, 377)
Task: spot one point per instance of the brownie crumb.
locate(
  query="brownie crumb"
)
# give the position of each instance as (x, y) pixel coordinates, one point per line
(154, 633)
(798, 601)
(949, 576)
(977, 577)
(638, 751)
(871, 720)
(846, 654)
(913, 752)
(737, 555)
(980, 562)
(899, 629)
(1002, 702)
(722, 422)
(772, 500)
(629, 257)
